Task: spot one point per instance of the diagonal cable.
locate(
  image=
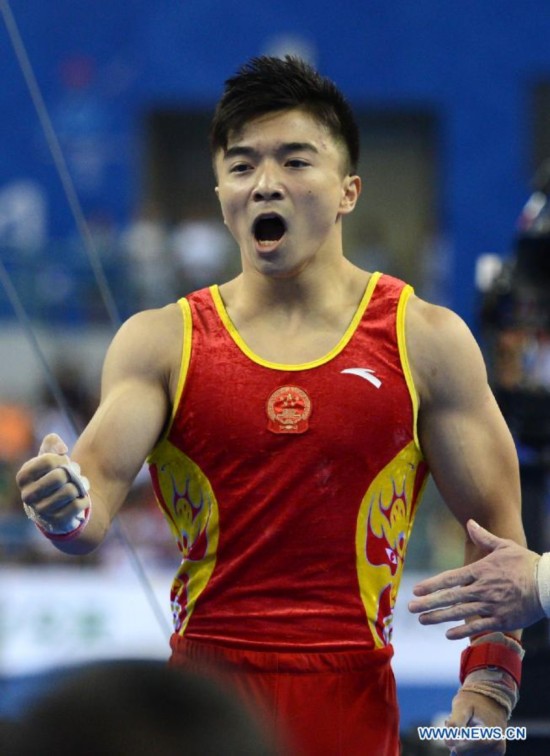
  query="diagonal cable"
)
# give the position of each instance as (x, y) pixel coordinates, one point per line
(97, 268)
(23, 318)
(60, 163)
(53, 385)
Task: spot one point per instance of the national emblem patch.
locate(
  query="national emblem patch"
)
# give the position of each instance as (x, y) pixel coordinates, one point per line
(288, 410)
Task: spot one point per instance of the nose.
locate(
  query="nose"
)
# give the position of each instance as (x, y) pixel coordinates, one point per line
(267, 185)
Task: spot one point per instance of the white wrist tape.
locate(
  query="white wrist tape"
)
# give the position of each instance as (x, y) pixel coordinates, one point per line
(543, 582)
(74, 476)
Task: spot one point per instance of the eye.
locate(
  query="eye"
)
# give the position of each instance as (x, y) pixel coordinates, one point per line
(240, 168)
(297, 163)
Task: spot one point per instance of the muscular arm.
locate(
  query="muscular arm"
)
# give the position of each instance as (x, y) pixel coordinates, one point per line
(137, 382)
(468, 446)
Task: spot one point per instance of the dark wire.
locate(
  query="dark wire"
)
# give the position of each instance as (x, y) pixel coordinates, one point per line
(60, 163)
(99, 275)
(21, 313)
(53, 384)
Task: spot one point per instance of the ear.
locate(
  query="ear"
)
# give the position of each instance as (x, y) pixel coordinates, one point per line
(217, 190)
(351, 190)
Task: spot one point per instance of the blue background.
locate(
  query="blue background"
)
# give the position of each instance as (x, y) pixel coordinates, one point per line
(473, 63)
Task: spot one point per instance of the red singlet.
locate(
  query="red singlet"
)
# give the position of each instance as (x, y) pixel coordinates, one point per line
(291, 491)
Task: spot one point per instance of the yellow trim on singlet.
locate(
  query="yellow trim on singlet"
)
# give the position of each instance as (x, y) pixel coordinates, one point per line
(348, 333)
(387, 515)
(187, 337)
(192, 512)
(402, 345)
(185, 351)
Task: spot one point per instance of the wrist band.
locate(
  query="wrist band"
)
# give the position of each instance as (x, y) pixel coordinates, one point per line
(491, 666)
(493, 650)
(543, 582)
(78, 523)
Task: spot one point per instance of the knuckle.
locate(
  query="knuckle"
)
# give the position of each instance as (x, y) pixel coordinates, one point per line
(60, 475)
(30, 495)
(76, 494)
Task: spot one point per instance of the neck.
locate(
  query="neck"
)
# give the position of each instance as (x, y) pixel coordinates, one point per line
(294, 321)
(308, 291)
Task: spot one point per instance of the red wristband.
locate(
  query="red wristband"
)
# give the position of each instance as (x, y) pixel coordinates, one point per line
(490, 655)
(71, 534)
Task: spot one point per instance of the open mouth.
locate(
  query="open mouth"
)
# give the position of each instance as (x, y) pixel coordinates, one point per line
(268, 231)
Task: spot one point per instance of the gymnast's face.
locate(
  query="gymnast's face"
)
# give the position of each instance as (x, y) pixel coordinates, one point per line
(283, 189)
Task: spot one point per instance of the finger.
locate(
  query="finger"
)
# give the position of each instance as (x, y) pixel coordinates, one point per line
(482, 537)
(48, 483)
(33, 469)
(62, 502)
(452, 613)
(461, 713)
(468, 629)
(37, 467)
(440, 599)
(57, 505)
(52, 443)
(447, 579)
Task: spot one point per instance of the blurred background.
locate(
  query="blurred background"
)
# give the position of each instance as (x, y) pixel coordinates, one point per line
(453, 101)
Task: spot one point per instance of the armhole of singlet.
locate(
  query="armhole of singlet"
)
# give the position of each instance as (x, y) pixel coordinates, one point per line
(187, 338)
(403, 354)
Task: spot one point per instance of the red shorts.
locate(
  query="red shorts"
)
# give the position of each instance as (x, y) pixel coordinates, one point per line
(318, 704)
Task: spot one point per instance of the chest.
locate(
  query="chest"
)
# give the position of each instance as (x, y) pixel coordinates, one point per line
(291, 345)
(354, 404)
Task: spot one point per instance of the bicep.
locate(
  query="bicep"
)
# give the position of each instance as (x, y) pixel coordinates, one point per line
(467, 444)
(473, 461)
(130, 418)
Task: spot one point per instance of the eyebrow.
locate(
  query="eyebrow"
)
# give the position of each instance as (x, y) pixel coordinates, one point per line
(285, 148)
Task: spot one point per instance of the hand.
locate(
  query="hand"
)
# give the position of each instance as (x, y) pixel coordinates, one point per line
(499, 590)
(49, 495)
(471, 710)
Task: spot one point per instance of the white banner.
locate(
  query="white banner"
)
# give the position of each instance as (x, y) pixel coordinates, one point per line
(52, 617)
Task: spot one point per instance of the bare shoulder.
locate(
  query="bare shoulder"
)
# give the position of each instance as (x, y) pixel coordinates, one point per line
(148, 343)
(443, 353)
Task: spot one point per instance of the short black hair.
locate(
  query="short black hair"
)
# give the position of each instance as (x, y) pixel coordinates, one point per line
(268, 84)
(138, 707)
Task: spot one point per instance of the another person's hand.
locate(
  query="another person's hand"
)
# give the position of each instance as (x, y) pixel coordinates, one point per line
(53, 491)
(498, 592)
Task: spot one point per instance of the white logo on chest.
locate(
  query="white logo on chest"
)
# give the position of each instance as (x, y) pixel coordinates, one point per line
(365, 373)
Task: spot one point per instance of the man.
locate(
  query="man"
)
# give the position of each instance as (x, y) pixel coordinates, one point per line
(508, 588)
(289, 417)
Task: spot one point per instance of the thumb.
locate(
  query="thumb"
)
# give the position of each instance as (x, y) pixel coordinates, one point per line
(482, 537)
(53, 444)
(462, 711)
